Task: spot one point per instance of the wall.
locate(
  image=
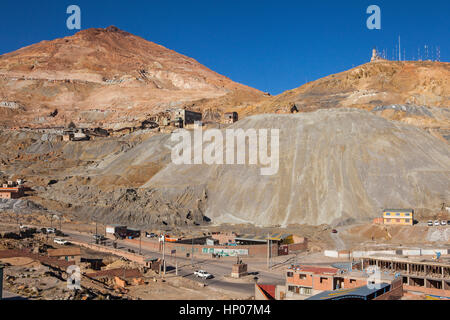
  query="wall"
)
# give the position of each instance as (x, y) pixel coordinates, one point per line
(395, 293)
(295, 279)
(128, 255)
(254, 250)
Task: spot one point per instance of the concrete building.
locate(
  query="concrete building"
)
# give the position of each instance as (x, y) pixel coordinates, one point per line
(225, 238)
(306, 281)
(230, 117)
(10, 191)
(427, 277)
(182, 118)
(404, 217)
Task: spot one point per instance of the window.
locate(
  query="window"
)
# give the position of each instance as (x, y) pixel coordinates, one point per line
(398, 213)
(302, 276)
(407, 220)
(388, 213)
(290, 274)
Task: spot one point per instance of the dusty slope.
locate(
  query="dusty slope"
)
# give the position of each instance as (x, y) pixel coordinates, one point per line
(334, 165)
(382, 83)
(106, 76)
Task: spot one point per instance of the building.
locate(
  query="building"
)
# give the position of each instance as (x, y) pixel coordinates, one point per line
(403, 217)
(113, 229)
(421, 276)
(327, 283)
(384, 291)
(12, 190)
(230, 117)
(225, 238)
(67, 254)
(278, 238)
(182, 118)
(375, 56)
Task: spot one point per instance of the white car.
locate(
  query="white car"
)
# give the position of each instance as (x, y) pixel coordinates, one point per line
(50, 230)
(203, 274)
(443, 223)
(61, 241)
(436, 223)
(430, 223)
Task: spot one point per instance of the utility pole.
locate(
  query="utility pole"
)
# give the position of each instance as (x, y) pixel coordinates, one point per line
(164, 254)
(1, 282)
(268, 252)
(140, 243)
(192, 251)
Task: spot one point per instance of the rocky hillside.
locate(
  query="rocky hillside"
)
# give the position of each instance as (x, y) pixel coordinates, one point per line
(106, 77)
(387, 87)
(335, 165)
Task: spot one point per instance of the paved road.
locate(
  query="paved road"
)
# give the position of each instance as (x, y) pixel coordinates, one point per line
(219, 268)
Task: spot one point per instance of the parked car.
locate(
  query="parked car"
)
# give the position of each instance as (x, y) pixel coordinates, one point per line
(61, 241)
(150, 235)
(50, 230)
(448, 222)
(99, 237)
(436, 223)
(203, 274)
(443, 223)
(430, 223)
(334, 231)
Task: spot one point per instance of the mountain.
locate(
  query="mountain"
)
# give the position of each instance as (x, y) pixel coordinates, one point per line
(415, 92)
(107, 77)
(335, 165)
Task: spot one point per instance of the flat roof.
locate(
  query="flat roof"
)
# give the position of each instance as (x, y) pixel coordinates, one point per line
(273, 236)
(315, 269)
(399, 210)
(404, 260)
(355, 293)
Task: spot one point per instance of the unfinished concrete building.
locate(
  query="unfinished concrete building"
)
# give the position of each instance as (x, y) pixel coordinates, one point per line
(426, 277)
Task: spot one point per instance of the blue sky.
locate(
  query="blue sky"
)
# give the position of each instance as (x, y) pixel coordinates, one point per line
(270, 45)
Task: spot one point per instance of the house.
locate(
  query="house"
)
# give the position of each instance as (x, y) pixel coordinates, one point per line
(231, 117)
(67, 254)
(404, 217)
(11, 190)
(324, 283)
(181, 118)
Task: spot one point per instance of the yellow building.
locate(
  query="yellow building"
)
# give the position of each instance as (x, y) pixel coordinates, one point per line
(404, 217)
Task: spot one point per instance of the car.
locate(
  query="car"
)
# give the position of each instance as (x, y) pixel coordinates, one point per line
(61, 241)
(334, 231)
(448, 222)
(99, 237)
(150, 235)
(430, 223)
(436, 223)
(203, 274)
(50, 230)
(443, 223)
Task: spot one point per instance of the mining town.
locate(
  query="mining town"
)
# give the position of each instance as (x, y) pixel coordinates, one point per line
(93, 205)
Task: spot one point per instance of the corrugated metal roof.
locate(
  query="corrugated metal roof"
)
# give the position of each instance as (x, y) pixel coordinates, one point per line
(273, 237)
(355, 293)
